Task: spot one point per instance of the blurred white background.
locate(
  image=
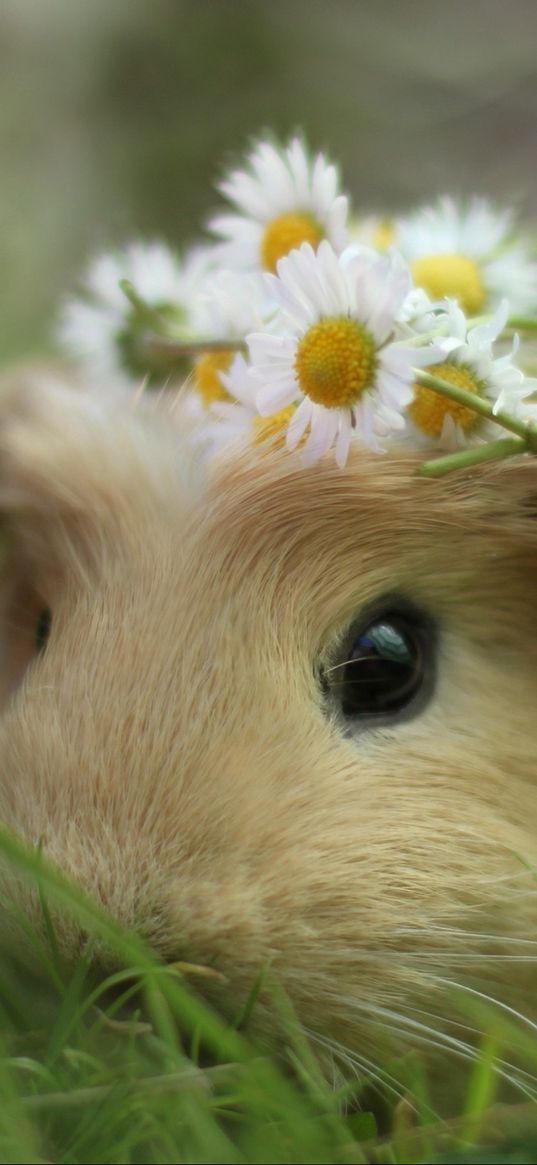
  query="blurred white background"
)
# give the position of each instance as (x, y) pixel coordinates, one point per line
(116, 116)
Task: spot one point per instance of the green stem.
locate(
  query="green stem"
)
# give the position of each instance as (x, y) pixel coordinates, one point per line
(522, 323)
(464, 458)
(525, 429)
(148, 316)
(194, 347)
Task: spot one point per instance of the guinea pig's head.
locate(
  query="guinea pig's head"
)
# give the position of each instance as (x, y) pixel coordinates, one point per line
(279, 716)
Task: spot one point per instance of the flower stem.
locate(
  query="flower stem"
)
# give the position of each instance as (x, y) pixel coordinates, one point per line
(194, 347)
(525, 429)
(464, 458)
(147, 316)
(522, 323)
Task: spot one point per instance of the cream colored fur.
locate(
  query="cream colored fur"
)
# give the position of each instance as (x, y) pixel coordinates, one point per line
(170, 748)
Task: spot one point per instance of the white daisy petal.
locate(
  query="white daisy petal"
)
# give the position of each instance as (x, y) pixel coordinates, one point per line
(299, 313)
(324, 182)
(298, 165)
(387, 305)
(273, 397)
(263, 346)
(485, 334)
(324, 425)
(395, 392)
(451, 436)
(245, 192)
(299, 423)
(365, 423)
(235, 226)
(344, 438)
(239, 383)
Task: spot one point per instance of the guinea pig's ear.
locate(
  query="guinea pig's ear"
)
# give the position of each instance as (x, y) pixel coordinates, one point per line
(79, 468)
(85, 479)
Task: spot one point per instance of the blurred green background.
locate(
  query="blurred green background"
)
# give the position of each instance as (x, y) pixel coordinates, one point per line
(117, 115)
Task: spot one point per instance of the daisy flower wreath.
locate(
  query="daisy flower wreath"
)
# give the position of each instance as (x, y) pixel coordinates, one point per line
(288, 331)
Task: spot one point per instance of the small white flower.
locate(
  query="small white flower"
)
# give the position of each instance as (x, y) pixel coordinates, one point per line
(468, 363)
(100, 328)
(336, 354)
(283, 198)
(470, 254)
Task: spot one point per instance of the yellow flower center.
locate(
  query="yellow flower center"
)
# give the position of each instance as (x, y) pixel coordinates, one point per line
(274, 426)
(384, 234)
(285, 233)
(206, 378)
(453, 275)
(429, 408)
(335, 362)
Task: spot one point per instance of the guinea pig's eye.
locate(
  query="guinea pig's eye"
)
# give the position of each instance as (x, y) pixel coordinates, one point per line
(385, 667)
(42, 628)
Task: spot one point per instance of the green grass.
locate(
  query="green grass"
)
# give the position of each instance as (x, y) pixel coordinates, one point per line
(137, 1068)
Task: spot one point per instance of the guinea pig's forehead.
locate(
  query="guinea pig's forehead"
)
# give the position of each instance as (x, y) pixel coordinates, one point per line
(288, 497)
(279, 507)
(377, 514)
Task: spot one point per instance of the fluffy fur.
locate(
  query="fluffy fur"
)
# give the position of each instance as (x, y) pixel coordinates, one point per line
(171, 749)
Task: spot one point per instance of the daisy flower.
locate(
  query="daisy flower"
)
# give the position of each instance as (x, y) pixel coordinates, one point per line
(104, 330)
(283, 198)
(468, 363)
(335, 353)
(468, 254)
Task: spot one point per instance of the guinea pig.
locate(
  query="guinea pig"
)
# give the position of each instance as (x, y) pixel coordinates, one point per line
(275, 715)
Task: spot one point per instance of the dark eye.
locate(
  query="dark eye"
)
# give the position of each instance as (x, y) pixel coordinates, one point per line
(42, 628)
(385, 666)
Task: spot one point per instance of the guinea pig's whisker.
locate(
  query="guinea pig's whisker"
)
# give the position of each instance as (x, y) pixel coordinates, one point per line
(353, 659)
(337, 1051)
(385, 1017)
(456, 960)
(360, 1065)
(519, 1074)
(488, 999)
(474, 1031)
(444, 1019)
(480, 936)
(422, 1034)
